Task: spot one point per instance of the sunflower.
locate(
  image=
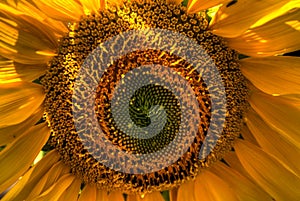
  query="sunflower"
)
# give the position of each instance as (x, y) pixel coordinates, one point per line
(218, 90)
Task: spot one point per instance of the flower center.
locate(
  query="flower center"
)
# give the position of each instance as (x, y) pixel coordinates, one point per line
(149, 118)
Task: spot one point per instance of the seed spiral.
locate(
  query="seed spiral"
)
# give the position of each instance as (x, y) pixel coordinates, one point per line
(148, 104)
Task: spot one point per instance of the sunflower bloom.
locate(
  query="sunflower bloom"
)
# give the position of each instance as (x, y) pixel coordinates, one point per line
(150, 100)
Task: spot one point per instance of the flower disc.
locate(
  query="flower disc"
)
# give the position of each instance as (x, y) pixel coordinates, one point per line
(149, 111)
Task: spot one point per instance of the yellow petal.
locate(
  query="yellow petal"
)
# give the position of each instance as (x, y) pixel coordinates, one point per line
(21, 190)
(88, 193)
(247, 135)
(102, 195)
(210, 187)
(23, 36)
(60, 9)
(17, 157)
(234, 20)
(18, 101)
(278, 36)
(146, 197)
(185, 191)
(242, 186)
(279, 114)
(71, 193)
(115, 196)
(92, 6)
(29, 8)
(233, 161)
(53, 175)
(11, 133)
(273, 75)
(57, 189)
(11, 71)
(132, 197)
(153, 196)
(294, 99)
(277, 13)
(271, 175)
(274, 143)
(195, 6)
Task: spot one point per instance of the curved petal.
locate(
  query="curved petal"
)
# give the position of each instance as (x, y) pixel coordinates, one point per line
(185, 193)
(278, 36)
(234, 20)
(11, 71)
(116, 196)
(147, 197)
(195, 6)
(271, 175)
(274, 143)
(88, 193)
(53, 175)
(25, 39)
(242, 186)
(24, 186)
(10, 133)
(18, 101)
(71, 193)
(57, 189)
(16, 158)
(247, 135)
(61, 10)
(233, 161)
(210, 187)
(279, 114)
(273, 75)
(30, 9)
(291, 4)
(92, 6)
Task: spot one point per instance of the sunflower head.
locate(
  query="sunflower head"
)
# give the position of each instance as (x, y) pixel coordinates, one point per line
(133, 98)
(152, 81)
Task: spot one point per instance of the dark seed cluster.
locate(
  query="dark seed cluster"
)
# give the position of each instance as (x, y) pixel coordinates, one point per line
(84, 36)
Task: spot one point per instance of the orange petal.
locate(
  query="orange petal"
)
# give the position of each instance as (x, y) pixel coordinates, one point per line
(271, 175)
(242, 186)
(279, 114)
(17, 157)
(185, 191)
(210, 187)
(18, 101)
(92, 6)
(273, 143)
(71, 193)
(22, 37)
(10, 133)
(30, 9)
(278, 36)
(195, 6)
(53, 175)
(61, 10)
(24, 186)
(11, 71)
(88, 193)
(232, 21)
(57, 189)
(274, 75)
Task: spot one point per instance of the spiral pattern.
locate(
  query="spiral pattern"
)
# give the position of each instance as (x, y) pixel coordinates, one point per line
(140, 104)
